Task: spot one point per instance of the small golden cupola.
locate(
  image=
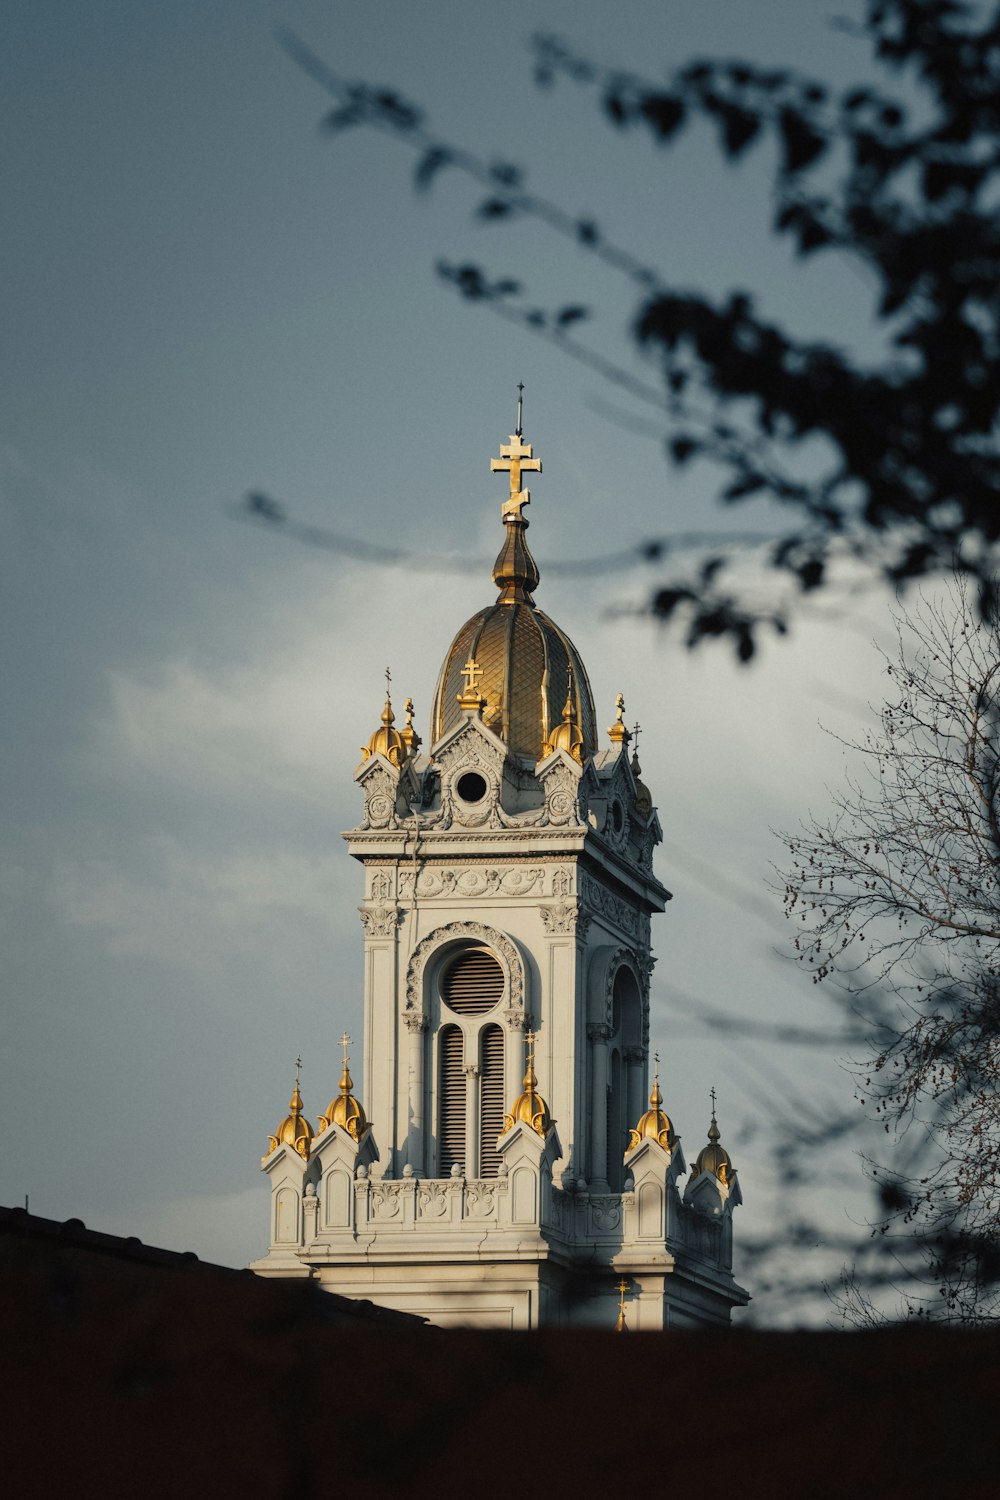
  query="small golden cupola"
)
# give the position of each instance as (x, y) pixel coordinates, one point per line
(529, 1107)
(344, 1110)
(294, 1130)
(714, 1157)
(568, 735)
(519, 654)
(386, 740)
(654, 1125)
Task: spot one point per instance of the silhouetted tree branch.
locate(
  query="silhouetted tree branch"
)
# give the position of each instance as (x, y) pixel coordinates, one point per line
(890, 460)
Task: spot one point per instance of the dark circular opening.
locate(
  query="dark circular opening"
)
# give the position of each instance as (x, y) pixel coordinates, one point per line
(617, 817)
(471, 787)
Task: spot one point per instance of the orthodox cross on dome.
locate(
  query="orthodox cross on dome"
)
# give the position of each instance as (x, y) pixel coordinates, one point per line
(298, 1066)
(388, 681)
(472, 672)
(711, 1093)
(345, 1042)
(515, 458)
(470, 697)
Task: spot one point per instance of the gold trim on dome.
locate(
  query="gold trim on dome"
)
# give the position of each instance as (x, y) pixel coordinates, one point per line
(654, 1125)
(529, 1106)
(294, 1130)
(344, 1110)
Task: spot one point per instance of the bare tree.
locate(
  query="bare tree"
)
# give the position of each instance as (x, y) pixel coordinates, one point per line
(897, 894)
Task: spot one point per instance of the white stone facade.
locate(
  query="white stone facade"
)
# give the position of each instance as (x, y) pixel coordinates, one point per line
(550, 871)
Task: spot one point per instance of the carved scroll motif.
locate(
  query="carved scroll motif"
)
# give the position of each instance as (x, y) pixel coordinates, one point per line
(472, 881)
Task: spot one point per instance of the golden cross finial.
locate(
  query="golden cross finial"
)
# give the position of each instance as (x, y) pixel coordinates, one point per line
(621, 1326)
(515, 458)
(472, 672)
(388, 681)
(712, 1096)
(520, 394)
(656, 1065)
(345, 1042)
(298, 1065)
(529, 1042)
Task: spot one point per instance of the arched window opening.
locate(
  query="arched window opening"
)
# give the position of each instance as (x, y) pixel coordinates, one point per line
(472, 983)
(491, 1099)
(617, 1127)
(451, 1101)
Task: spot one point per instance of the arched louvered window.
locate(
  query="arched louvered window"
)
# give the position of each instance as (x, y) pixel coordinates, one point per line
(451, 1101)
(491, 1100)
(472, 983)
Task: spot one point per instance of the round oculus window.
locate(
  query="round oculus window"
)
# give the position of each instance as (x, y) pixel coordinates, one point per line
(472, 983)
(471, 787)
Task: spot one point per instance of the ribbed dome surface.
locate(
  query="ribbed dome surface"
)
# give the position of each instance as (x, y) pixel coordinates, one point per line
(524, 658)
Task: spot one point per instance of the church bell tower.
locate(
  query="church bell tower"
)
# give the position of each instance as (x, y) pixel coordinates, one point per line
(506, 1165)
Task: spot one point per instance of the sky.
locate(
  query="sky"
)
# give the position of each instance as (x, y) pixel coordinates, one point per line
(204, 295)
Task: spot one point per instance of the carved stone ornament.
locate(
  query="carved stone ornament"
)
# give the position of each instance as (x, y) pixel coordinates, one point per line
(415, 1020)
(564, 919)
(380, 800)
(563, 801)
(381, 886)
(472, 880)
(480, 1199)
(379, 921)
(561, 880)
(606, 904)
(505, 951)
(516, 1018)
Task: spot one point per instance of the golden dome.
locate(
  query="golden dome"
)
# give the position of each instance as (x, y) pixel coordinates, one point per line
(344, 1110)
(714, 1158)
(295, 1130)
(387, 741)
(654, 1125)
(529, 1106)
(523, 655)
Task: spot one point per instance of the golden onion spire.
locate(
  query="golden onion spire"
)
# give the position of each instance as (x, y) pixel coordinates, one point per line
(515, 571)
(408, 734)
(387, 741)
(714, 1157)
(568, 735)
(654, 1125)
(294, 1130)
(529, 1105)
(344, 1110)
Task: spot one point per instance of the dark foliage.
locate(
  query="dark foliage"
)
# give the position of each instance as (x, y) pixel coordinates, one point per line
(891, 461)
